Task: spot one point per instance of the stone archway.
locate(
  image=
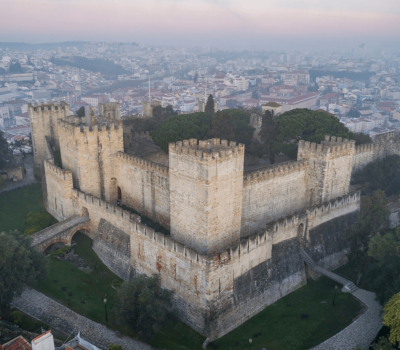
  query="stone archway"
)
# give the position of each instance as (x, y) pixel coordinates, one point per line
(60, 232)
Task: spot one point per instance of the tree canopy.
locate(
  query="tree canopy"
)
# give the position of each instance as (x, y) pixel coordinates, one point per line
(80, 112)
(302, 123)
(231, 124)
(391, 318)
(381, 174)
(20, 264)
(210, 105)
(5, 150)
(143, 305)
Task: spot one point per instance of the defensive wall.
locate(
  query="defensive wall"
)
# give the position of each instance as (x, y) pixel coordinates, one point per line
(144, 186)
(271, 193)
(88, 151)
(235, 283)
(43, 119)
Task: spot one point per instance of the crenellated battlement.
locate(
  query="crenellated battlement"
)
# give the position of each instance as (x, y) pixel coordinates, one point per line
(332, 145)
(336, 203)
(273, 171)
(108, 207)
(207, 149)
(143, 163)
(45, 107)
(74, 125)
(366, 147)
(60, 173)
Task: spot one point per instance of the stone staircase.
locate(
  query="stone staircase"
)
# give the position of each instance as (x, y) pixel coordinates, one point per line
(348, 285)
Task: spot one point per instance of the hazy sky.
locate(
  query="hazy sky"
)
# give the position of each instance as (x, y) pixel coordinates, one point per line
(226, 23)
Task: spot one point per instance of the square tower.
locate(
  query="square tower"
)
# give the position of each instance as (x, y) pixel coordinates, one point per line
(206, 185)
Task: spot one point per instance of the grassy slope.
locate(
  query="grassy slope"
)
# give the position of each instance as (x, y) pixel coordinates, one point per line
(91, 287)
(14, 206)
(281, 326)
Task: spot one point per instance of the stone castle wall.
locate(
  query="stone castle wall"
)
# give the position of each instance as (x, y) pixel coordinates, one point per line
(236, 283)
(206, 181)
(43, 119)
(89, 153)
(271, 193)
(144, 186)
(59, 186)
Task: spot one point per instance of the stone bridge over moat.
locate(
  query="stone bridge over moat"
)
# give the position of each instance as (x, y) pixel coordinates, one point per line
(63, 231)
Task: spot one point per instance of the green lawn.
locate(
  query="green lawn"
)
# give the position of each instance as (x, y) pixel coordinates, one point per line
(91, 288)
(14, 206)
(281, 326)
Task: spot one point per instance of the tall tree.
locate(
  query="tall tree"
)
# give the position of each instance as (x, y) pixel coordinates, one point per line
(196, 77)
(5, 150)
(268, 134)
(210, 105)
(80, 112)
(143, 305)
(20, 264)
(223, 127)
(391, 318)
(373, 219)
(255, 95)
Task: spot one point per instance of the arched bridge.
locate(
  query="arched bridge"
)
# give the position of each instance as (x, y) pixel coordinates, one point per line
(63, 231)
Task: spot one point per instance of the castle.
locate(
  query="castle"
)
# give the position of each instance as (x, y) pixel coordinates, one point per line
(235, 235)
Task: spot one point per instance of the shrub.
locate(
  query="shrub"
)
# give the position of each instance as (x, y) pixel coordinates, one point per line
(36, 221)
(17, 317)
(143, 305)
(59, 251)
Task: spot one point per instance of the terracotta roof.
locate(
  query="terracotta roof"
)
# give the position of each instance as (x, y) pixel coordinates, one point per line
(19, 343)
(39, 336)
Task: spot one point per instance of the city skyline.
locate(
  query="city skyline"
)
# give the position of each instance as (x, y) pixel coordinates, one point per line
(311, 25)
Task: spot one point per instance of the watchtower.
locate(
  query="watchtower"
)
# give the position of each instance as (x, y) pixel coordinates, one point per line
(109, 112)
(206, 185)
(329, 167)
(44, 125)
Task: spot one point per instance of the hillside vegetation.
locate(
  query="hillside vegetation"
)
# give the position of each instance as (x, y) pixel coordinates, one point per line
(278, 135)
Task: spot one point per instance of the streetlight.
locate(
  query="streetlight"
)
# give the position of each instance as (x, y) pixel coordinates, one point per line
(334, 295)
(250, 341)
(105, 308)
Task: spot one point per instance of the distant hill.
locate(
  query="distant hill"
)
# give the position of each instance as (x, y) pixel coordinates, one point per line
(44, 46)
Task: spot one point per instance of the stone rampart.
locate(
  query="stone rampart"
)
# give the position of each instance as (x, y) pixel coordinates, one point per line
(144, 186)
(113, 247)
(271, 193)
(333, 209)
(58, 191)
(44, 122)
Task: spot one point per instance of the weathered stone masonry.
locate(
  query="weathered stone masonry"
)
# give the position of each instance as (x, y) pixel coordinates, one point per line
(235, 235)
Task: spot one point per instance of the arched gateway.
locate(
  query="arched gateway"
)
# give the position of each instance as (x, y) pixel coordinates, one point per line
(63, 231)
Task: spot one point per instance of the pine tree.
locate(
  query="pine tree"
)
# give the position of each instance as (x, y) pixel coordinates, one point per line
(268, 134)
(223, 127)
(209, 109)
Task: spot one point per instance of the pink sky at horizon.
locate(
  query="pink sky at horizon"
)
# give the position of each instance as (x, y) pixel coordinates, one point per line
(164, 21)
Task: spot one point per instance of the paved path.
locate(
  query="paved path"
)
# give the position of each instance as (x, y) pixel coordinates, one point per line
(363, 330)
(65, 320)
(29, 177)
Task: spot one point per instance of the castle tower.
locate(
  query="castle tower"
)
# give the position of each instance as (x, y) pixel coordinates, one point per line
(109, 111)
(329, 168)
(206, 185)
(44, 124)
(88, 152)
